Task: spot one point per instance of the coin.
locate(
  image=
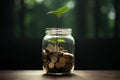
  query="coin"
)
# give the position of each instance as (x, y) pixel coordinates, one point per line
(56, 49)
(57, 65)
(68, 66)
(50, 47)
(62, 64)
(67, 58)
(46, 50)
(62, 59)
(61, 49)
(51, 65)
(53, 59)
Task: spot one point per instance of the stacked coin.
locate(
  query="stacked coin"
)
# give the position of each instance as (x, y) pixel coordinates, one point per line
(57, 62)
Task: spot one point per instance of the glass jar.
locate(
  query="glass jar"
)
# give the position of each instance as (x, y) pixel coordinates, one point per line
(58, 51)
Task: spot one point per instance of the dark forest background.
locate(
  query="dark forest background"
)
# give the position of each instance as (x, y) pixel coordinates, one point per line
(95, 25)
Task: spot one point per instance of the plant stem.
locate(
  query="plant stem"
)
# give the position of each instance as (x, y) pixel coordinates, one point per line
(58, 21)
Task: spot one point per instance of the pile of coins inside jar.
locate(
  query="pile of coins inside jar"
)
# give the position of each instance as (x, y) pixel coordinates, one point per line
(57, 60)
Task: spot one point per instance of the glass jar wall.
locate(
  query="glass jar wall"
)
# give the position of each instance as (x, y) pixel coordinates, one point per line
(58, 51)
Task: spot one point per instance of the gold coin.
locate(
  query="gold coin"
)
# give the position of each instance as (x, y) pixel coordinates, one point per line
(67, 58)
(68, 66)
(46, 50)
(61, 49)
(50, 48)
(62, 64)
(57, 65)
(51, 65)
(53, 59)
(62, 59)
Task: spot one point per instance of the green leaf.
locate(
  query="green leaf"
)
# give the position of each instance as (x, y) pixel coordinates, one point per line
(60, 40)
(59, 12)
(52, 41)
(53, 12)
(55, 42)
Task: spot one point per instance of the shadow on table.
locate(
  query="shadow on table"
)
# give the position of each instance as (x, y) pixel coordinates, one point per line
(62, 77)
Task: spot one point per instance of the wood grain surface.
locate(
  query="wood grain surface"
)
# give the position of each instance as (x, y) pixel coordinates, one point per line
(76, 75)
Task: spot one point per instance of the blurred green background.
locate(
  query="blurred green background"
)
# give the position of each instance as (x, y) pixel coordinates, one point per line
(88, 18)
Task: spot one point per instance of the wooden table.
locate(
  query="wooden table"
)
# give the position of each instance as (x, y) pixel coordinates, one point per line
(76, 75)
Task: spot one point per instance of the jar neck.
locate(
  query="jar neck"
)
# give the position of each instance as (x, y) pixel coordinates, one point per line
(58, 31)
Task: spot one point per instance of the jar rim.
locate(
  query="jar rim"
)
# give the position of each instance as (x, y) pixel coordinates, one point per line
(58, 30)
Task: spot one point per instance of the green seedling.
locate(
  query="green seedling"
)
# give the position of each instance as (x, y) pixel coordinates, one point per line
(59, 12)
(56, 42)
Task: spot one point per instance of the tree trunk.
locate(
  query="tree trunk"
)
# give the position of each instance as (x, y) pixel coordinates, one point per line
(117, 19)
(22, 20)
(7, 20)
(97, 18)
(80, 14)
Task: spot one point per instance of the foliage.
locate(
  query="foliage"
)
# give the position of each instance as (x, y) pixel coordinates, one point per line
(59, 12)
(56, 42)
